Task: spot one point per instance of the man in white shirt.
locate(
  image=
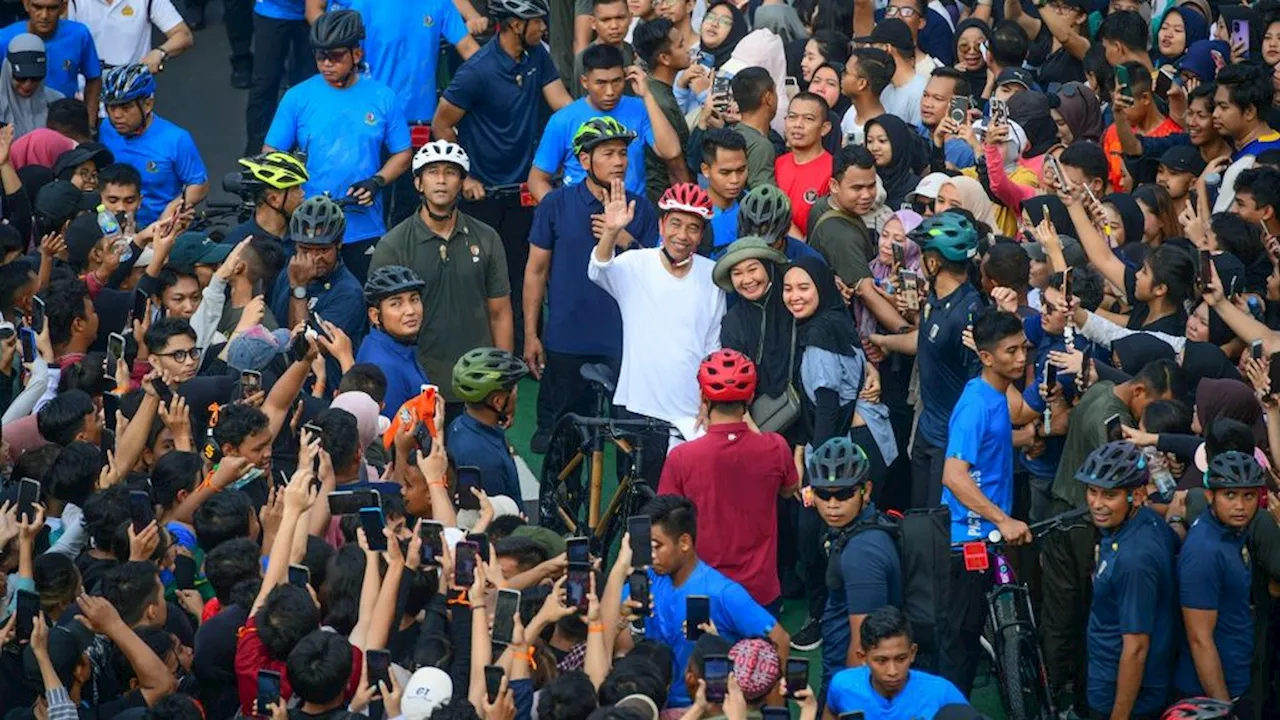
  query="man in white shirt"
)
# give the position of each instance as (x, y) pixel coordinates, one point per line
(671, 312)
(902, 97)
(121, 30)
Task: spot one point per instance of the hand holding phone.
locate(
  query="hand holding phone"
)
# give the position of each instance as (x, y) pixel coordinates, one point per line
(697, 612)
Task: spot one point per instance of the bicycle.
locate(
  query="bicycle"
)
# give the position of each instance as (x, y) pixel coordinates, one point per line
(1011, 637)
(568, 505)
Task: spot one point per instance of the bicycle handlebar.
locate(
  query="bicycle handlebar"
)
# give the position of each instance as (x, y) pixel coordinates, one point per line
(635, 426)
(1040, 529)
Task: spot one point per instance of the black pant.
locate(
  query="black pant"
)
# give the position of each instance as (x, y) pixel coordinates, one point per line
(1067, 583)
(238, 15)
(356, 256)
(654, 449)
(562, 389)
(926, 473)
(512, 221)
(275, 43)
(962, 649)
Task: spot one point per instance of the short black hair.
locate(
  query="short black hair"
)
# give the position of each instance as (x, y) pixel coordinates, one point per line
(568, 697)
(1086, 284)
(806, 96)
(89, 373)
(503, 526)
(1008, 265)
(73, 475)
(63, 417)
(962, 88)
(165, 329)
(57, 580)
(64, 302)
(120, 174)
(319, 666)
(1263, 183)
(1009, 44)
(675, 514)
(1127, 28)
(1239, 236)
(1095, 63)
(1160, 377)
(601, 57)
(237, 422)
(366, 378)
(13, 277)
(994, 326)
(175, 707)
(1247, 86)
(104, 511)
(286, 617)
(1204, 91)
(173, 473)
(875, 66)
(1167, 416)
(170, 276)
(339, 436)
(1226, 434)
(224, 516)
(707, 644)
(715, 139)
(70, 117)
(652, 38)
(749, 87)
(264, 260)
(852, 156)
(631, 676)
(1088, 156)
(524, 551)
(231, 562)
(131, 587)
(884, 623)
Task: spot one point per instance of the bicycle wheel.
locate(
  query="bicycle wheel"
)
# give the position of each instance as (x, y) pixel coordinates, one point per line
(563, 502)
(1022, 681)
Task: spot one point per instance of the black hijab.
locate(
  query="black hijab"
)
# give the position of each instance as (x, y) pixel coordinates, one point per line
(1040, 205)
(724, 50)
(831, 326)
(762, 331)
(902, 175)
(1137, 350)
(977, 79)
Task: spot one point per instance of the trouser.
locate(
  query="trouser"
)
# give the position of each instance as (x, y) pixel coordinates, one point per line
(238, 16)
(357, 256)
(926, 472)
(653, 448)
(275, 43)
(962, 648)
(562, 389)
(1067, 581)
(512, 221)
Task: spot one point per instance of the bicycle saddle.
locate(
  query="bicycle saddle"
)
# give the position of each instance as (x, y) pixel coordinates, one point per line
(600, 374)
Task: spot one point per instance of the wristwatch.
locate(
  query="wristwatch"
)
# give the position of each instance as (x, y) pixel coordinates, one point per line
(1177, 520)
(300, 292)
(163, 59)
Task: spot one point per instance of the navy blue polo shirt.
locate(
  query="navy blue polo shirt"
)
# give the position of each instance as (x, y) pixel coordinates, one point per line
(1214, 573)
(1133, 591)
(504, 105)
(472, 443)
(582, 318)
(399, 363)
(339, 298)
(945, 363)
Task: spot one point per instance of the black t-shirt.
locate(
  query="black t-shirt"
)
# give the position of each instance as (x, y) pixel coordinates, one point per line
(1175, 324)
(1058, 66)
(214, 661)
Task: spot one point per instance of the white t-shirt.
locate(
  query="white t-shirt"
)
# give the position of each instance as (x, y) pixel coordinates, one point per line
(669, 325)
(121, 29)
(905, 101)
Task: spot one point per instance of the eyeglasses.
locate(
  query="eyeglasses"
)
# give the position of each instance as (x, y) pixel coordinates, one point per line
(900, 12)
(181, 355)
(333, 56)
(842, 494)
(721, 20)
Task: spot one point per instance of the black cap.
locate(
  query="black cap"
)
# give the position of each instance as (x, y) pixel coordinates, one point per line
(61, 201)
(892, 31)
(68, 161)
(1183, 158)
(68, 643)
(1016, 75)
(26, 55)
(81, 236)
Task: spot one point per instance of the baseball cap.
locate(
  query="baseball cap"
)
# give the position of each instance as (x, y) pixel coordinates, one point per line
(81, 236)
(640, 703)
(892, 31)
(80, 154)
(1183, 158)
(544, 537)
(68, 643)
(26, 55)
(192, 248)
(60, 201)
(756, 667)
(1015, 76)
(428, 688)
(1072, 251)
(929, 185)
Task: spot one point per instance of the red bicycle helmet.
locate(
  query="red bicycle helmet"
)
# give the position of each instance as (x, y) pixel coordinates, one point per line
(686, 197)
(727, 376)
(1199, 708)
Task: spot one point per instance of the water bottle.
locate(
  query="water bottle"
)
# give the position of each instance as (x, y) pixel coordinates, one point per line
(1159, 469)
(111, 230)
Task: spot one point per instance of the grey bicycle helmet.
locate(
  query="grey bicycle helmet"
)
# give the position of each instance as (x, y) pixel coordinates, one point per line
(1118, 464)
(522, 9)
(337, 29)
(390, 280)
(317, 221)
(764, 211)
(838, 463)
(486, 370)
(1234, 470)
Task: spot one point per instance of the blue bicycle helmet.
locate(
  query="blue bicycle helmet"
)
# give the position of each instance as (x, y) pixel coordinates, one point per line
(1118, 464)
(949, 234)
(127, 83)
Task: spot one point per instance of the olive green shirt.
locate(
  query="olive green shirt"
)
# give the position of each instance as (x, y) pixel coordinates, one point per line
(461, 274)
(760, 156)
(656, 177)
(1086, 433)
(843, 240)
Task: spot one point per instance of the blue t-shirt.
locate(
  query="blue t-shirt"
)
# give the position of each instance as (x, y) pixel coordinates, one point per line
(796, 249)
(1214, 573)
(945, 363)
(724, 229)
(399, 362)
(1133, 594)
(981, 434)
(504, 105)
(70, 53)
(281, 9)
(555, 151)
(582, 318)
(167, 158)
(870, 577)
(472, 443)
(344, 134)
(733, 612)
(921, 697)
(402, 47)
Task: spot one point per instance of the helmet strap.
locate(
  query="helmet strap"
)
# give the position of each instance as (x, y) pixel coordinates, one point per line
(673, 261)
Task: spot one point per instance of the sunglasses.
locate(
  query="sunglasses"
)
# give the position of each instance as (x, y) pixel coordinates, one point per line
(841, 495)
(333, 56)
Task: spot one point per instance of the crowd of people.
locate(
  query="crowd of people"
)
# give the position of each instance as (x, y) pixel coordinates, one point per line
(904, 297)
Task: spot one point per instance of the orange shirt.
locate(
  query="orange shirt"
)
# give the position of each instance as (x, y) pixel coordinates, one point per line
(1115, 156)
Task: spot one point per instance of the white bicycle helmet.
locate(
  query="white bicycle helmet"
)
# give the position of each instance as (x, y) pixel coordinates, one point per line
(441, 151)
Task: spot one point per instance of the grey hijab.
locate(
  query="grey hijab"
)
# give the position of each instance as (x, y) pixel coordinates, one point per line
(24, 113)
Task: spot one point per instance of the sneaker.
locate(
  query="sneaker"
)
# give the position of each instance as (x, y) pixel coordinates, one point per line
(241, 79)
(540, 441)
(808, 637)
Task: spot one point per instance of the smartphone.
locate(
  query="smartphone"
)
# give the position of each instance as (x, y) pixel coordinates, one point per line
(28, 611)
(373, 524)
(791, 87)
(464, 563)
(1122, 81)
(999, 112)
(577, 584)
(29, 495)
(1193, 197)
(141, 511)
(706, 59)
(715, 673)
(379, 667)
(504, 615)
(1113, 429)
(1255, 349)
(579, 551)
(250, 383)
(721, 88)
(1275, 373)
(423, 437)
(139, 311)
(697, 611)
(899, 258)
(1066, 284)
(482, 544)
(313, 322)
(638, 584)
(1055, 169)
(110, 406)
(268, 691)
(911, 289)
(640, 529)
(1050, 375)
(37, 314)
(432, 541)
(1206, 268)
(161, 389)
(1240, 34)
(492, 682)
(115, 351)
(468, 479)
(959, 110)
(349, 502)
(299, 575)
(770, 712)
(28, 345)
(797, 675)
(298, 347)
(184, 572)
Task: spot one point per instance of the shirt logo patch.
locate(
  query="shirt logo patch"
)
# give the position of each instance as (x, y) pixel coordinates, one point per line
(933, 333)
(370, 119)
(427, 21)
(810, 196)
(66, 64)
(127, 11)
(475, 253)
(152, 167)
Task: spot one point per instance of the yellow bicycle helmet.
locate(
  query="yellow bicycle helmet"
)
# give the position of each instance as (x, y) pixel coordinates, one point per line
(278, 170)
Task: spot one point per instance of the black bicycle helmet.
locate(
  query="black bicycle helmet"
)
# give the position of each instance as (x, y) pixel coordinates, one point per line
(1234, 470)
(485, 370)
(764, 211)
(522, 9)
(838, 463)
(390, 280)
(1118, 464)
(1199, 708)
(337, 29)
(317, 221)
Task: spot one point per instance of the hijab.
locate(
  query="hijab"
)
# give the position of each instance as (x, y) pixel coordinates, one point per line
(902, 175)
(1219, 398)
(1040, 205)
(1199, 62)
(1205, 360)
(1136, 351)
(830, 327)
(1197, 28)
(765, 327)
(1081, 110)
(977, 78)
(1030, 109)
(1131, 218)
(41, 146)
(737, 31)
(974, 199)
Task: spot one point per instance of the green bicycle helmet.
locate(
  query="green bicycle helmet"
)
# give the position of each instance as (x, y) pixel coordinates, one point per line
(949, 234)
(598, 130)
(1234, 470)
(764, 211)
(838, 463)
(485, 370)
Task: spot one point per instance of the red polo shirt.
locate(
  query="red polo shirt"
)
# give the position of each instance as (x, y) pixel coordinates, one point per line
(734, 476)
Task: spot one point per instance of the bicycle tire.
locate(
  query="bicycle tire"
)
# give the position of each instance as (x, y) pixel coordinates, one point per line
(1021, 679)
(571, 494)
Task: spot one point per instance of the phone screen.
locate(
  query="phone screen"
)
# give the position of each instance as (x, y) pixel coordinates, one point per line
(379, 667)
(140, 510)
(1122, 81)
(250, 383)
(115, 351)
(371, 521)
(464, 563)
(482, 543)
(349, 502)
(1206, 267)
(28, 496)
(37, 314)
(504, 615)
(298, 347)
(640, 529)
(1050, 375)
(911, 290)
(638, 583)
(468, 479)
(140, 305)
(1113, 429)
(299, 575)
(1255, 349)
(28, 345)
(422, 434)
(492, 682)
(110, 406)
(162, 390)
(577, 585)
(432, 541)
(28, 611)
(268, 690)
(715, 671)
(797, 675)
(184, 572)
(697, 611)
(579, 551)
